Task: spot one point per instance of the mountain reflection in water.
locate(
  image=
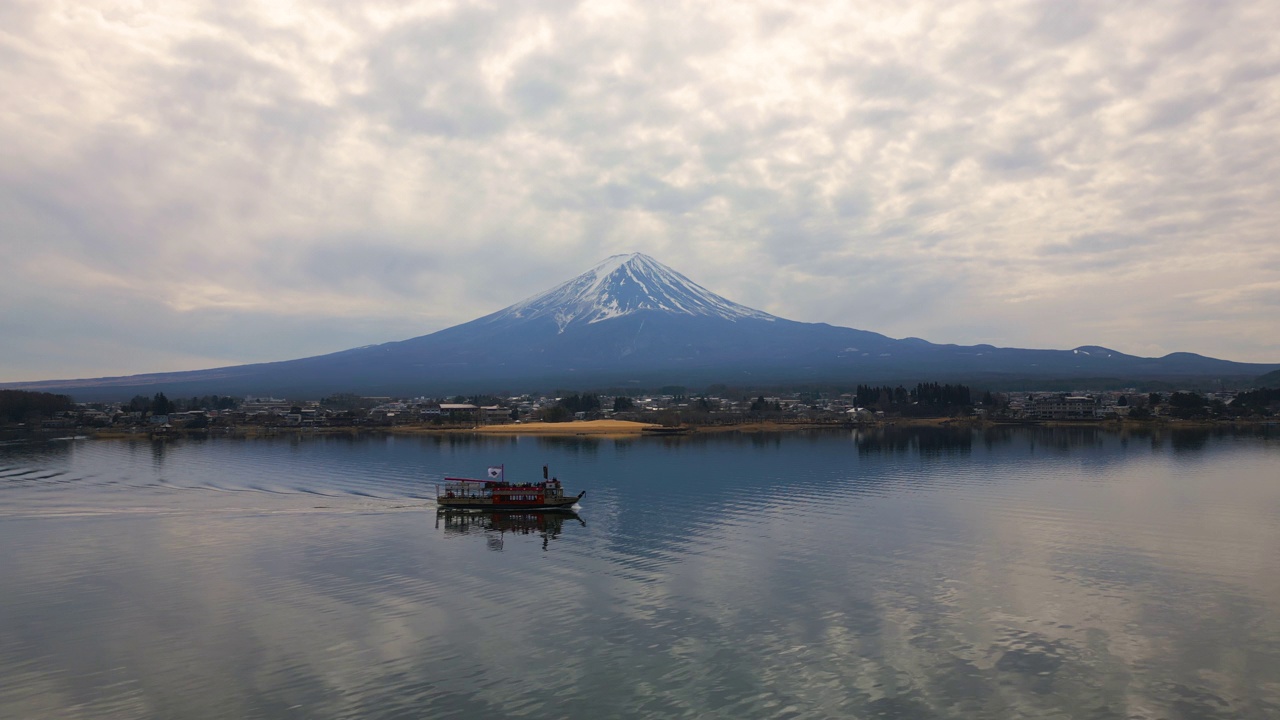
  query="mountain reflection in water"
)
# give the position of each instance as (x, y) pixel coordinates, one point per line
(901, 573)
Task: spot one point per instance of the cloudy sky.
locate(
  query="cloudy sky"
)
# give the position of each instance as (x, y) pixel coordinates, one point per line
(188, 184)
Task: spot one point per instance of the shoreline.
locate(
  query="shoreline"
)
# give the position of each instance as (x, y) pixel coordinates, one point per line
(625, 429)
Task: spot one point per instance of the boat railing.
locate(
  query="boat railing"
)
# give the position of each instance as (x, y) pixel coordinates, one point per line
(465, 487)
(463, 490)
(500, 491)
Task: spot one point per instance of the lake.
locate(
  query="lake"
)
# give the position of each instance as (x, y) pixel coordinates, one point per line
(929, 573)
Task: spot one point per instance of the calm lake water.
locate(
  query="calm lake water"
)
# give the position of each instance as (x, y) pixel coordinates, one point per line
(930, 574)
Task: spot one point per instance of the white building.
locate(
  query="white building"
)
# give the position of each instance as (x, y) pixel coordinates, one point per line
(1070, 407)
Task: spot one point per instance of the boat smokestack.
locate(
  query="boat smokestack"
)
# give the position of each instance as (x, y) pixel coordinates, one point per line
(544, 472)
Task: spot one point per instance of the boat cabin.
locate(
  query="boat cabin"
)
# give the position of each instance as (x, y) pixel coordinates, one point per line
(499, 492)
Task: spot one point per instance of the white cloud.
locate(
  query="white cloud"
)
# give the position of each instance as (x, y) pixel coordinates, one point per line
(954, 171)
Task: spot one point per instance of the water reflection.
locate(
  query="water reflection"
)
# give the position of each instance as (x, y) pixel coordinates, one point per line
(908, 573)
(930, 442)
(952, 440)
(494, 526)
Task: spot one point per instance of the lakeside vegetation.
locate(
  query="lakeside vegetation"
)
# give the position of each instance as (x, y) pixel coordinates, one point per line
(17, 406)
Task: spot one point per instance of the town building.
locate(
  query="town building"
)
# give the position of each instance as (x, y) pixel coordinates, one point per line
(1065, 407)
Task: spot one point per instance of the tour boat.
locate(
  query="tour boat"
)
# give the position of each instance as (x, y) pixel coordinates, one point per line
(495, 493)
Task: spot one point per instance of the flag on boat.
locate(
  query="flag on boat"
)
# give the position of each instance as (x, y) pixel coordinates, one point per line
(495, 471)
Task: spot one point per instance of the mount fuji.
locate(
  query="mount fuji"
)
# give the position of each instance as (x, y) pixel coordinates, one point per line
(632, 321)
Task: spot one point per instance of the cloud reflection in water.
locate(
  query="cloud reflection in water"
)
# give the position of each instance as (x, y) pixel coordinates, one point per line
(904, 574)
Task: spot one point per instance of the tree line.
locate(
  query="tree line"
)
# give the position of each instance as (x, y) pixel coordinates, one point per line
(1262, 402)
(160, 404)
(570, 405)
(22, 405)
(924, 397)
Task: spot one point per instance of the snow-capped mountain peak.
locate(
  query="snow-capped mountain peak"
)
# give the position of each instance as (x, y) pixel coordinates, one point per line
(622, 285)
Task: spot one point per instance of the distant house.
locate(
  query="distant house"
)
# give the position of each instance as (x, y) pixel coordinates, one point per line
(274, 406)
(459, 410)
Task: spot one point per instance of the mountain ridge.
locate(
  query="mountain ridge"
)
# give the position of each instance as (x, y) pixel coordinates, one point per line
(630, 319)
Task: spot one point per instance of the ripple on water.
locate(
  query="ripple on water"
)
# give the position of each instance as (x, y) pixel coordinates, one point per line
(1017, 574)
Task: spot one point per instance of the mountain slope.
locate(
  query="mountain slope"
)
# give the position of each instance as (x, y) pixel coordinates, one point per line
(631, 320)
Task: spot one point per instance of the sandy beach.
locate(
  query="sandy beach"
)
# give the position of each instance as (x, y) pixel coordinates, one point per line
(578, 427)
